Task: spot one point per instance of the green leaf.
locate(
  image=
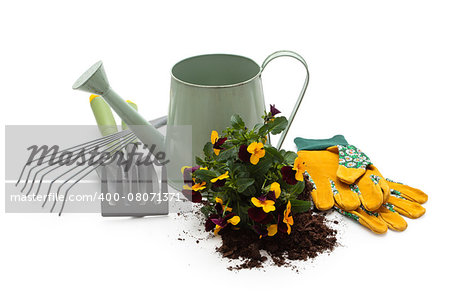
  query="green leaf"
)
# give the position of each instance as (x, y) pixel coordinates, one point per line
(243, 183)
(241, 210)
(263, 165)
(289, 157)
(236, 122)
(239, 170)
(299, 206)
(199, 161)
(298, 188)
(263, 130)
(207, 210)
(277, 155)
(250, 191)
(278, 125)
(228, 154)
(205, 175)
(208, 149)
(258, 127)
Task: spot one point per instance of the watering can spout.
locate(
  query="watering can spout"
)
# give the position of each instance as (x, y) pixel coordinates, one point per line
(94, 81)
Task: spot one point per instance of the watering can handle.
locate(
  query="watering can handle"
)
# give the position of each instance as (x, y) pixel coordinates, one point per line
(302, 93)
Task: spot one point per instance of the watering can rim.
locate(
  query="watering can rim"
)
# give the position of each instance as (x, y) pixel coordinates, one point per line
(258, 74)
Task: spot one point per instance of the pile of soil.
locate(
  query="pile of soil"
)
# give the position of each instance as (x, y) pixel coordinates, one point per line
(309, 237)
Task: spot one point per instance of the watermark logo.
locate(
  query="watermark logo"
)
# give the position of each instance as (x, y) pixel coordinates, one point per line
(52, 156)
(72, 169)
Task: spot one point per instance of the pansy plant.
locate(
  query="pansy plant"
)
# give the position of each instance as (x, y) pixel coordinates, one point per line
(242, 181)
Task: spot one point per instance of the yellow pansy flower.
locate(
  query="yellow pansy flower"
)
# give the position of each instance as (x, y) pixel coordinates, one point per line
(214, 138)
(184, 168)
(217, 142)
(267, 205)
(257, 151)
(189, 167)
(217, 229)
(275, 187)
(219, 200)
(199, 186)
(272, 229)
(299, 168)
(234, 220)
(287, 219)
(223, 176)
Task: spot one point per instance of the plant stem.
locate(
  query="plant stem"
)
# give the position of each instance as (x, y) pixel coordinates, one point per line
(264, 183)
(226, 207)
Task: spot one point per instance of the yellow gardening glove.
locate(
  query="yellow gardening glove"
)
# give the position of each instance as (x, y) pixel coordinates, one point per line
(322, 167)
(381, 199)
(403, 200)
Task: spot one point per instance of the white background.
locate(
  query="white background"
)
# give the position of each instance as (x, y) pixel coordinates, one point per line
(379, 74)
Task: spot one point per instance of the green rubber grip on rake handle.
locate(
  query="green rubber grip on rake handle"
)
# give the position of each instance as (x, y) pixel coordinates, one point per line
(133, 105)
(103, 115)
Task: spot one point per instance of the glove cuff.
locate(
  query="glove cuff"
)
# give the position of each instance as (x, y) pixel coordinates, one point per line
(319, 144)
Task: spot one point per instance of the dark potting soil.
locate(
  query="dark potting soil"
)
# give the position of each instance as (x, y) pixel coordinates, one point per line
(309, 237)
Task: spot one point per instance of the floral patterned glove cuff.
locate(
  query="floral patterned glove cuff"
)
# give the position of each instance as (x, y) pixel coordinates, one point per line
(352, 161)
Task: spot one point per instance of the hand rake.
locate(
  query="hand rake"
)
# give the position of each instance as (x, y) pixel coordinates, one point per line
(42, 167)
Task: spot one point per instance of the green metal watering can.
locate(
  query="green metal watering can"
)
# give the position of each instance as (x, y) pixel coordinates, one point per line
(205, 92)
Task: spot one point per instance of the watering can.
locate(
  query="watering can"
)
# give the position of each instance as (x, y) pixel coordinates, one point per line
(205, 92)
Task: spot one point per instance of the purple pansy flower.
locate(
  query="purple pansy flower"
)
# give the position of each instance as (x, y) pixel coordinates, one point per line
(288, 175)
(261, 230)
(257, 214)
(274, 111)
(243, 154)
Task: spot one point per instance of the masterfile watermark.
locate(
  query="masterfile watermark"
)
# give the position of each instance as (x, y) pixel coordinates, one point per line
(73, 169)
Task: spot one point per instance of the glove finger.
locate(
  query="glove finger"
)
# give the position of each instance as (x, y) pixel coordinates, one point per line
(321, 194)
(346, 172)
(349, 175)
(376, 225)
(352, 163)
(371, 188)
(385, 189)
(345, 196)
(410, 209)
(407, 192)
(393, 220)
(377, 178)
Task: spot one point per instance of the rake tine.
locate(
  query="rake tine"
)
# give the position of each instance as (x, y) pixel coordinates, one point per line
(70, 170)
(117, 149)
(99, 145)
(66, 149)
(42, 178)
